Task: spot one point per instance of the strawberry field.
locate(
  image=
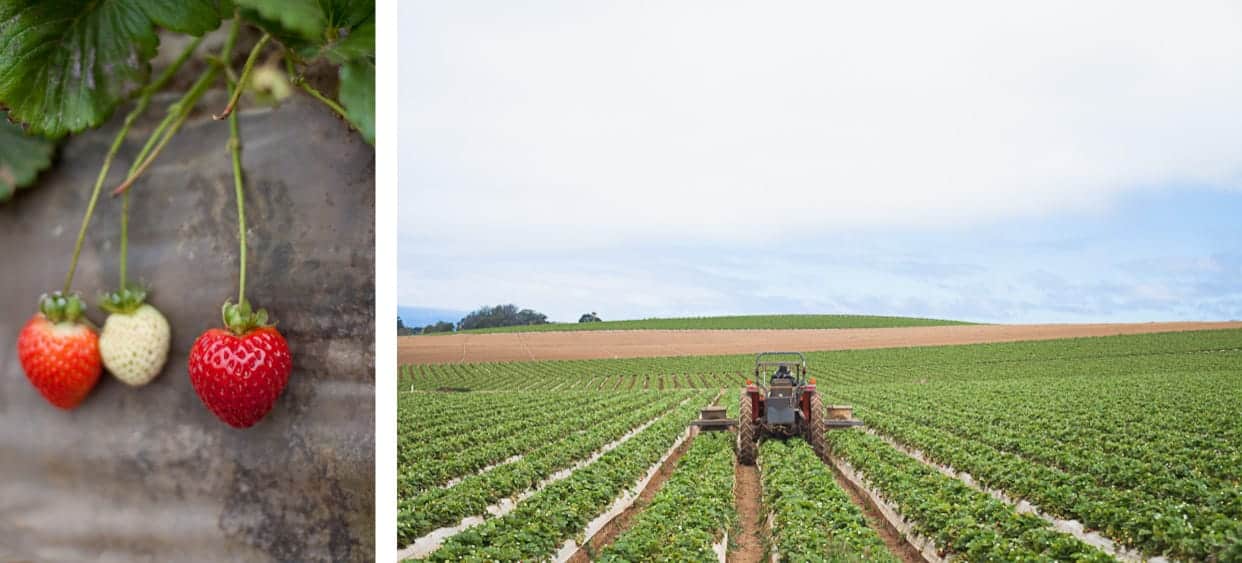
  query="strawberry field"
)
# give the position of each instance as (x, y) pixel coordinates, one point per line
(1092, 449)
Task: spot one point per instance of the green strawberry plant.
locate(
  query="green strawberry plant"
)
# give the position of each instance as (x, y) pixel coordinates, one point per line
(429, 467)
(960, 520)
(78, 60)
(340, 32)
(812, 516)
(420, 512)
(22, 157)
(561, 511)
(691, 512)
(1136, 437)
(70, 64)
(81, 59)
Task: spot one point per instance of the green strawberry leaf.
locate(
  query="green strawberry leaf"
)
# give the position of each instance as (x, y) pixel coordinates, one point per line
(304, 49)
(194, 17)
(69, 63)
(358, 96)
(303, 18)
(360, 43)
(340, 29)
(22, 156)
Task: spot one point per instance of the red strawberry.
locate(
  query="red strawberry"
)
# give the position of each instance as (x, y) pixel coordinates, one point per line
(59, 353)
(240, 374)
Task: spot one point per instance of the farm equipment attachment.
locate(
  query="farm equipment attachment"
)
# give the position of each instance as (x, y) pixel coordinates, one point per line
(780, 402)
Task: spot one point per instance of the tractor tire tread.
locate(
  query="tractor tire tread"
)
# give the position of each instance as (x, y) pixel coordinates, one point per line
(746, 446)
(817, 428)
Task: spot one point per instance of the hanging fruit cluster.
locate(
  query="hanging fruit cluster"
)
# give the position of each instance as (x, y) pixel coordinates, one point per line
(238, 371)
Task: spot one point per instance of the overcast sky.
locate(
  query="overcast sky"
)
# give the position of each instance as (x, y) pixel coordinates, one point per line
(1068, 162)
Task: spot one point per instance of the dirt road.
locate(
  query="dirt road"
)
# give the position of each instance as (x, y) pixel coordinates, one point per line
(651, 343)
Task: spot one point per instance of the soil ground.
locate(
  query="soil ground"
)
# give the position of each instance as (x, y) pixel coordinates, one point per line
(747, 492)
(654, 343)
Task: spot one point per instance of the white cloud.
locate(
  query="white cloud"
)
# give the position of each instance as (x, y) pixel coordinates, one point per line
(964, 160)
(584, 123)
(1048, 287)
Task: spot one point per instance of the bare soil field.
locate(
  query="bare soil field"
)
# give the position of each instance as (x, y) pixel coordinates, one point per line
(653, 343)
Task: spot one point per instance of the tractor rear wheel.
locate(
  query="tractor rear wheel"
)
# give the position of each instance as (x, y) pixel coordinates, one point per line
(816, 428)
(746, 447)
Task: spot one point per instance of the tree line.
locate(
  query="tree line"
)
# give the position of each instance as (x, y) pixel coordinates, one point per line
(489, 317)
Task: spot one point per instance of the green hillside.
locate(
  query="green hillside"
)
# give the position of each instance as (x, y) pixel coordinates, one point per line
(740, 322)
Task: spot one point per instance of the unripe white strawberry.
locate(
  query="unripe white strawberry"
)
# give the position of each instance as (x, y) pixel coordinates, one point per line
(134, 346)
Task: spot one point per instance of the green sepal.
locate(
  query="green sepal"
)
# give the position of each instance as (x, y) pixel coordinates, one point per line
(59, 308)
(240, 318)
(125, 301)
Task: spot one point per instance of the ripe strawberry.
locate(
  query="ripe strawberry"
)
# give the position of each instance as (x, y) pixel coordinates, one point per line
(59, 352)
(135, 338)
(239, 374)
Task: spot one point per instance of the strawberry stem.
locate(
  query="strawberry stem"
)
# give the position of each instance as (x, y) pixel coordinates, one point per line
(245, 75)
(124, 238)
(235, 153)
(226, 52)
(159, 83)
(301, 82)
(180, 111)
(144, 100)
(177, 113)
(234, 147)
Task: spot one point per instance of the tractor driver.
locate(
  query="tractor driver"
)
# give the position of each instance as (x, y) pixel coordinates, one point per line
(782, 373)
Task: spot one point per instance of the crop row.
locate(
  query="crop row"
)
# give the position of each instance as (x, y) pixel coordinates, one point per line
(440, 507)
(959, 519)
(1117, 443)
(419, 473)
(541, 523)
(1133, 517)
(988, 364)
(433, 410)
(1152, 461)
(556, 376)
(431, 416)
(813, 519)
(492, 425)
(690, 513)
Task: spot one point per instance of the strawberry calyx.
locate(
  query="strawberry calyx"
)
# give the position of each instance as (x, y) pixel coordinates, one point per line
(125, 301)
(58, 307)
(240, 318)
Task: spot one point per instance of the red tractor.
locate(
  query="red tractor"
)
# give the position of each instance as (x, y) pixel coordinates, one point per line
(779, 402)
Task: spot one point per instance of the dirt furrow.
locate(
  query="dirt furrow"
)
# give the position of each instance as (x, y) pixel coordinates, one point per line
(748, 547)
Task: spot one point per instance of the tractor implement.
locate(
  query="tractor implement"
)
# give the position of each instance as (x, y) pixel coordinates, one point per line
(714, 419)
(779, 403)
